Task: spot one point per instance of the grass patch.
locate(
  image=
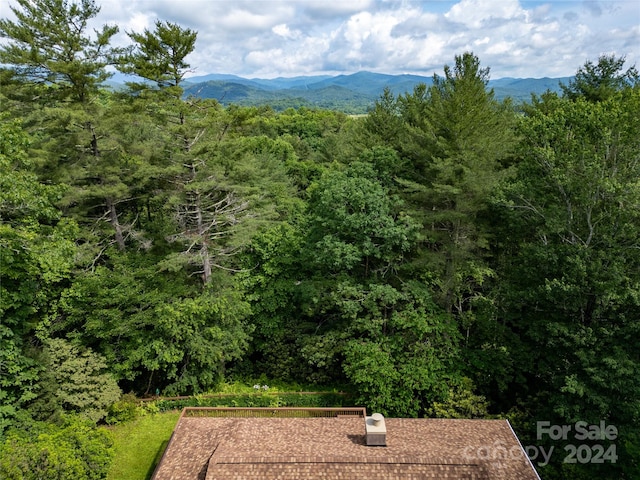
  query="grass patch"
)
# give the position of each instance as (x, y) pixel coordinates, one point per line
(139, 445)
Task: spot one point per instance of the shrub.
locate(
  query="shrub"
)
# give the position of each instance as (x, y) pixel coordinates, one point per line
(124, 410)
(76, 450)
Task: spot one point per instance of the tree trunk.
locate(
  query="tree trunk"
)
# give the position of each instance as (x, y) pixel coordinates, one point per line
(113, 220)
(204, 248)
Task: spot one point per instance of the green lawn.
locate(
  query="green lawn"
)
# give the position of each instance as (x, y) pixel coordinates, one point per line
(139, 445)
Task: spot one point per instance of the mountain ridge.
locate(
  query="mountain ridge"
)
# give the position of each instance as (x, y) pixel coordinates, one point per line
(351, 93)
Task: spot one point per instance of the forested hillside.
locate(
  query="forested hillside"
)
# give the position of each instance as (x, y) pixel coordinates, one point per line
(444, 255)
(352, 94)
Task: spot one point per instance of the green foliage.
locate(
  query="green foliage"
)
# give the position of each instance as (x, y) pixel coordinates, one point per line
(36, 257)
(461, 403)
(48, 44)
(241, 187)
(596, 82)
(19, 375)
(76, 450)
(570, 260)
(259, 399)
(385, 121)
(154, 329)
(128, 409)
(402, 350)
(206, 332)
(159, 56)
(453, 145)
(467, 135)
(355, 225)
(124, 410)
(78, 380)
(22, 197)
(273, 286)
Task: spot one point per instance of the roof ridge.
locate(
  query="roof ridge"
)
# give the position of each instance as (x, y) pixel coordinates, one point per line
(390, 459)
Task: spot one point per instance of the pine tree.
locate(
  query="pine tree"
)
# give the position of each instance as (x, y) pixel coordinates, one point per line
(159, 55)
(48, 45)
(596, 82)
(466, 138)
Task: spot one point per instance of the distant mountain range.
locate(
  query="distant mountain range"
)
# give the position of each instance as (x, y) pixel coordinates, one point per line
(355, 93)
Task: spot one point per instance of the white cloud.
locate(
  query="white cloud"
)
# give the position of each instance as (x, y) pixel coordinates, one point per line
(138, 22)
(500, 48)
(335, 8)
(284, 31)
(245, 21)
(518, 38)
(477, 13)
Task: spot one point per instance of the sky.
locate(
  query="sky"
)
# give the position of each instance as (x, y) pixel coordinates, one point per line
(272, 38)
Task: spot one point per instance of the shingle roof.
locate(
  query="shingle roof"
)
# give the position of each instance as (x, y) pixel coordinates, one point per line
(334, 448)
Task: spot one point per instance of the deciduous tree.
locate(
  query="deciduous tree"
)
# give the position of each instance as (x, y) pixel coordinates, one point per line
(36, 259)
(571, 260)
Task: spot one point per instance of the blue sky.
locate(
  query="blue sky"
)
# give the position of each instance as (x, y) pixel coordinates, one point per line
(269, 38)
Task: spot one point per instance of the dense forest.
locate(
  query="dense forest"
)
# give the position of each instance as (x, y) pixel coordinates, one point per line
(446, 255)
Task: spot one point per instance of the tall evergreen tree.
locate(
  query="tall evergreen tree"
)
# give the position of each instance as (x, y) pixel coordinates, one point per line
(159, 55)
(48, 45)
(598, 81)
(467, 137)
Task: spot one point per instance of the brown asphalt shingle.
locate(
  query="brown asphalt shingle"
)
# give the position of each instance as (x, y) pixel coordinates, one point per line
(334, 448)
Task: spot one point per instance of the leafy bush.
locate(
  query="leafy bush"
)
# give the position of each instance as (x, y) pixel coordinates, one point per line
(124, 410)
(76, 450)
(461, 402)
